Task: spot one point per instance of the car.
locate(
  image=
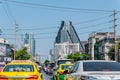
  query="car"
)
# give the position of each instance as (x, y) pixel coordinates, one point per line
(45, 67)
(94, 70)
(49, 68)
(39, 66)
(60, 72)
(2, 64)
(20, 70)
(58, 62)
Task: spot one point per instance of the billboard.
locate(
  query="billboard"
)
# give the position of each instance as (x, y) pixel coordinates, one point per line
(2, 50)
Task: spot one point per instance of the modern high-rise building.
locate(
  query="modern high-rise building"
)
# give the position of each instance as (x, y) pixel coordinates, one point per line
(67, 33)
(67, 41)
(29, 42)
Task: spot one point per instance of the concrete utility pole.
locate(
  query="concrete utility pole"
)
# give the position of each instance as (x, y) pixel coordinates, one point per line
(15, 30)
(116, 55)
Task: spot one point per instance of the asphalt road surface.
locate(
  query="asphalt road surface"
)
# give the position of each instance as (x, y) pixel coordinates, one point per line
(46, 76)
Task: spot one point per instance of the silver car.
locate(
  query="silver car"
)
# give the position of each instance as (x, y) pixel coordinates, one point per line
(94, 70)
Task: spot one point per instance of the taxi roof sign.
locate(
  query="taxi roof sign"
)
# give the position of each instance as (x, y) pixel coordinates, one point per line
(68, 62)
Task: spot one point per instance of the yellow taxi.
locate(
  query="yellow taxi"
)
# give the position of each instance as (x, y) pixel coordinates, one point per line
(60, 72)
(21, 70)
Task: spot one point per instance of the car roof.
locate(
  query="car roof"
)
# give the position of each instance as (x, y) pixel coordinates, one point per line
(21, 62)
(96, 61)
(64, 59)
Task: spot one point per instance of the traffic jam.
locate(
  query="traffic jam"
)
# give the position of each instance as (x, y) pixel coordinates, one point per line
(62, 69)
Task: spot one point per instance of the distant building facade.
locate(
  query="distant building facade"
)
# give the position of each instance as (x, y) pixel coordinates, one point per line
(6, 51)
(29, 42)
(100, 44)
(52, 57)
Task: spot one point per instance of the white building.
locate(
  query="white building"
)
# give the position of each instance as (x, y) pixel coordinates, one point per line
(61, 50)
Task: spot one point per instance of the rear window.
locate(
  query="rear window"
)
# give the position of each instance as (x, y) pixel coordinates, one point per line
(101, 66)
(19, 68)
(64, 62)
(2, 65)
(66, 67)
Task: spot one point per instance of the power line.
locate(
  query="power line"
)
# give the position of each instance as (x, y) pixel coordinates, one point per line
(59, 7)
(40, 28)
(34, 28)
(96, 30)
(102, 23)
(86, 27)
(10, 12)
(73, 24)
(93, 20)
(46, 37)
(34, 34)
(7, 14)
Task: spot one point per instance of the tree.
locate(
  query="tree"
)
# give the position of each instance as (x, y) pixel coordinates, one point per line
(22, 54)
(111, 53)
(46, 61)
(77, 56)
(118, 45)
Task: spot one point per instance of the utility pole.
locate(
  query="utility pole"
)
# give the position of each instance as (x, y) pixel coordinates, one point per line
(116, 55)
(15, 30)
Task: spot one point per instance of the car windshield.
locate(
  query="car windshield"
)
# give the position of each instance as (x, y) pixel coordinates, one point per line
(101, 66)
(66, 67)
(18, 68)
(64, 62)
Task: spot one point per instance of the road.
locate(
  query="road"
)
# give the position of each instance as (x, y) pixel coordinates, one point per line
(46, 76)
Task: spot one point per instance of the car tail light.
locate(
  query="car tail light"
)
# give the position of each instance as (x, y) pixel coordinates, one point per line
(35, 77)
(0, 70)
(61, 72)
(3, 77)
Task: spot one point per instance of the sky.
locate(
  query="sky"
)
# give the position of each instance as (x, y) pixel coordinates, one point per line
(43, 19)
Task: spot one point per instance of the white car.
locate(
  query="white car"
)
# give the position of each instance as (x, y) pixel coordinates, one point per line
(94, 70)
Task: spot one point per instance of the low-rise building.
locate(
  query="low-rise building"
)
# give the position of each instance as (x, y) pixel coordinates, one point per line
(6, 51)
(100, 44)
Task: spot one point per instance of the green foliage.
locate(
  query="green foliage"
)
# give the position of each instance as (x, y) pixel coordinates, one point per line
(22, 54)
(111, 54)
(46, 61)
(77, 56)
(118, 45)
